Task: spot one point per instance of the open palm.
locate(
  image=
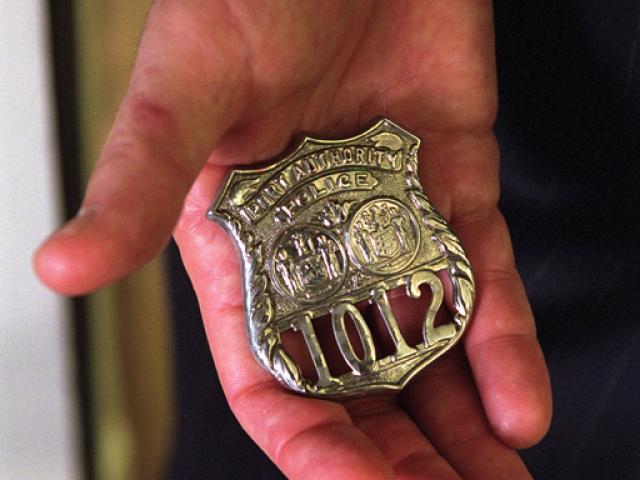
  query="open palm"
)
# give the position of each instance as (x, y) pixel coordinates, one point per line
(220, 83)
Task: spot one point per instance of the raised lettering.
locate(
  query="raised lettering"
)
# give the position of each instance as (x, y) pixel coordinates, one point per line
(344, 181)
(302, 323)
(335, 157)
(357, 365)
(362, 179)
(382, 301)
(393, 159)
(430, 333)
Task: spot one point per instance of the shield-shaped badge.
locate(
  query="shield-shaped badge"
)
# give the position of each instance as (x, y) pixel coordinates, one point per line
(333, 224)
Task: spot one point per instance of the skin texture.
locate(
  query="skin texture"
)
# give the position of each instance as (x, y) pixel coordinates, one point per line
(218, 84)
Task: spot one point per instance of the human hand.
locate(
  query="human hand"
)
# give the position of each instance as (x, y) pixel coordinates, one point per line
(218, 84)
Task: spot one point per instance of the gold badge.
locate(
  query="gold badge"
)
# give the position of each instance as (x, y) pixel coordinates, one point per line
(332, 224)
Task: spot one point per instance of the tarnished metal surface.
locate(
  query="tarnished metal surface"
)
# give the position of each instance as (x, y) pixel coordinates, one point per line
(332, 224)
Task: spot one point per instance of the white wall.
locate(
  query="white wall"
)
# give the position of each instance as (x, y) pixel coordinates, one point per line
(37, 409)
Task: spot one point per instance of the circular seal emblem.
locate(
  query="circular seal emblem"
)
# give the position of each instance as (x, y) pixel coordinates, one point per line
(383, 236)
(308, 263)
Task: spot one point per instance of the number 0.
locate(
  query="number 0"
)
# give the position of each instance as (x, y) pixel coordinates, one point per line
(358, 365)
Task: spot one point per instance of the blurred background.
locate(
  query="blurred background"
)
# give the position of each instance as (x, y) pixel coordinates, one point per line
(98, 387)
(85, 384)
(38, 417)
(120, 384)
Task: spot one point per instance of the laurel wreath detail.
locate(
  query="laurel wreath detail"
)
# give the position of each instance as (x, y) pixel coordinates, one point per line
(265, 341)
(458, 265)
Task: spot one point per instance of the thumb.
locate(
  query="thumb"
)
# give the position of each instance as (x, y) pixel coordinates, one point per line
(186, 90)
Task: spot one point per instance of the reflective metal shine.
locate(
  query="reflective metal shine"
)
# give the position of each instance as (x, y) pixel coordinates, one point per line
(334, 223)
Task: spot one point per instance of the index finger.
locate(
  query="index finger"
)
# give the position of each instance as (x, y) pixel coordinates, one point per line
(180, 101)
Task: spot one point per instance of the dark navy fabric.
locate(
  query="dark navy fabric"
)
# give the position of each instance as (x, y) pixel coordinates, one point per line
(569, 130)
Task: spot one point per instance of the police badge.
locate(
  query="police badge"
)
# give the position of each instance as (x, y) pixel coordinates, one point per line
(335, 223)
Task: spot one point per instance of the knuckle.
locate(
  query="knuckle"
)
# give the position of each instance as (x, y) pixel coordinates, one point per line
(150, 116)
